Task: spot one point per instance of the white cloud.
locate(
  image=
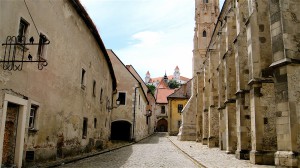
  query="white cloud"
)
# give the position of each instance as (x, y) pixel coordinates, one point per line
(147, 38)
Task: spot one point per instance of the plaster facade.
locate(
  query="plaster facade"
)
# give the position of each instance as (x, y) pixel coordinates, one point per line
(62, 110)
(133, 108)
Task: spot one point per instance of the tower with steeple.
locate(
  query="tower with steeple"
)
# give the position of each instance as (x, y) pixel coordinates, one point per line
(206, 15)
(176, 74)
(147, 78)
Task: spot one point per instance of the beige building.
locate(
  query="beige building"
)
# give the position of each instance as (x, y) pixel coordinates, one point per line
(131, 119)
(64, 109)
(248, 81)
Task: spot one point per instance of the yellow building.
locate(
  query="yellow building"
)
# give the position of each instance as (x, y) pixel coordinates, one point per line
(176, 102)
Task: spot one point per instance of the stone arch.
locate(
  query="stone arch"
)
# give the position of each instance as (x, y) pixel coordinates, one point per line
(162, 125)
(121, 130)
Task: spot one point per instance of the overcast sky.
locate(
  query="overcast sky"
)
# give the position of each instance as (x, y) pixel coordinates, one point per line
(150, 35)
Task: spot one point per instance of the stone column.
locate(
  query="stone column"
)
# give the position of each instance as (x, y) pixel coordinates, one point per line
(262, 104)
(221, 93)
(285, 34)
(243, 122)
(230, 84)
(213, 114)
(205, 103)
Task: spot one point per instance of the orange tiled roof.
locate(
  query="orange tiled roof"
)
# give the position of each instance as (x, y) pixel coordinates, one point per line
(162, 92)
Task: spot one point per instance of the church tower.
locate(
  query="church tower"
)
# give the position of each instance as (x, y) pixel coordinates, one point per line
(176, 74)
(147, 78)
(206, 14)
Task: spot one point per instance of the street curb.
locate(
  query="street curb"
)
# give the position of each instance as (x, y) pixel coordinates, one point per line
(187, 155)
(84, 156)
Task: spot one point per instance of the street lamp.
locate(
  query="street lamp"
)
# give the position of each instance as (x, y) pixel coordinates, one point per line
(118, 101)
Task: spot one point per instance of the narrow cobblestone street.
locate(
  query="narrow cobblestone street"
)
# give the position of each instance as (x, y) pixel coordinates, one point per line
(155, 151)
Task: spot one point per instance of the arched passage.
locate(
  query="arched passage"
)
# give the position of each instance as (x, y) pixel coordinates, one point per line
(162, 125)
(120, 130)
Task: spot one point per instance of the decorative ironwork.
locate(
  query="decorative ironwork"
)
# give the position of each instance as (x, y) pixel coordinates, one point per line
(14, 53)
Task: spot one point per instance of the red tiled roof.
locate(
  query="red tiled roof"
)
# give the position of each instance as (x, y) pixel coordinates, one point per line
(162, 92)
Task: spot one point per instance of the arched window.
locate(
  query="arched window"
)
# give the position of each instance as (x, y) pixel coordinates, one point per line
(205, 1)
(204, 34)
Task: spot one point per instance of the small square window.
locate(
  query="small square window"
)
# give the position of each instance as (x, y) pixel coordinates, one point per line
(163, 109)
(180, 107)
(122, 98)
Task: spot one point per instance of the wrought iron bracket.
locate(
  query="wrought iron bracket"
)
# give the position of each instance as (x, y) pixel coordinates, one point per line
(14, 60)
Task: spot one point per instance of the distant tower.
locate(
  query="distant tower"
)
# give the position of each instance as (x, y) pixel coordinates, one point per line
(147, 78)
(206, 15)
(176, 74)
(166, 78)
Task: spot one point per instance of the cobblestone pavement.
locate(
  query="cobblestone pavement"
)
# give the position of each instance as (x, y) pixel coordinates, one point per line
(155, 151)
(212, 157)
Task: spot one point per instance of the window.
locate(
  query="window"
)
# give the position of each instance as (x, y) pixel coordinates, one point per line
(84, 128)
(23, 27)
(204, 34)
(42, 47)
(122, 98)
(163, 110)
(139, 101)
(180, 107)
(32, 116)
(101, 93)
(83, 79)
(205, 1)
(94, 88)
(95, 122)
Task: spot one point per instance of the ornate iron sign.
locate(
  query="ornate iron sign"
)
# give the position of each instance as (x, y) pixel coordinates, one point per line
(15, 49)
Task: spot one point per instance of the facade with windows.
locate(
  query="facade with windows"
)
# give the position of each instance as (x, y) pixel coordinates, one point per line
(63, 109)
(130, 118)
(176, 102)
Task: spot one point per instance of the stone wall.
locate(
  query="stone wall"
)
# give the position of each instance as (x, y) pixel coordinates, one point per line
(249, 72)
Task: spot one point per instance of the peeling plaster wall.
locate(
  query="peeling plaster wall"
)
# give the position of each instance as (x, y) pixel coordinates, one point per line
(57, 88)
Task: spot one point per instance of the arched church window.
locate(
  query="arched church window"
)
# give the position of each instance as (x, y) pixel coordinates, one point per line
(204, 34)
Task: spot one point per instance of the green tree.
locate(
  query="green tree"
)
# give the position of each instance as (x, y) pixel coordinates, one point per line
(151, 88)
(173, 84)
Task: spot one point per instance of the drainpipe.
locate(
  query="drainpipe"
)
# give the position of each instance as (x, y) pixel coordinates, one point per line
(133, 123)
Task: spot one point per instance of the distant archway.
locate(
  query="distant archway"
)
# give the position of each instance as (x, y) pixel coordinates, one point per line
(162, 125)
(120, 130)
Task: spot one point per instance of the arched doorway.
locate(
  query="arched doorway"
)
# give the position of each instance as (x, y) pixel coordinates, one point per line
(162, 125)
(120, 130)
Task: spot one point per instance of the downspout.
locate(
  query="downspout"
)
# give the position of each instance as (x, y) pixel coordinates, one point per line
(133, 123)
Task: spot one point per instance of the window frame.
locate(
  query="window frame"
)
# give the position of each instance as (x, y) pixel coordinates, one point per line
(94, 88)
(83, 79)
(122, 101)
(162, 109)
(24, 31)
(84, 128)
(42, 49)
(179, 108)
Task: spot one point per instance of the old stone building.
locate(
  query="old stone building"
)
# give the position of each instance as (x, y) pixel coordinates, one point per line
(246, 80)
(131, 120)
(162, 108)
(64, 109)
